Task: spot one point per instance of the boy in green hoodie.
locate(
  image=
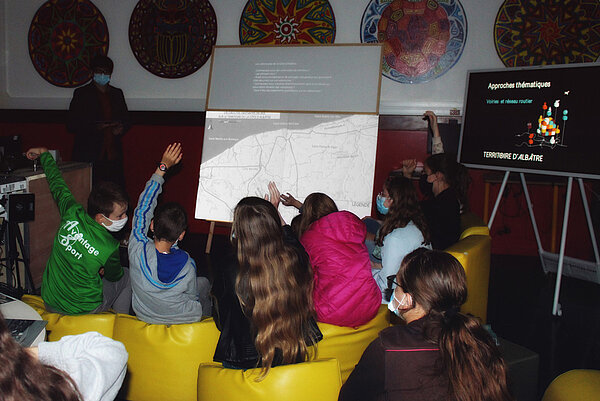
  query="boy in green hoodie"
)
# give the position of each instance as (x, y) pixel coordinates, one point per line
(72, 283)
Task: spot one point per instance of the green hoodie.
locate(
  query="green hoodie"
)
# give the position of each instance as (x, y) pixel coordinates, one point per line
(71, 282)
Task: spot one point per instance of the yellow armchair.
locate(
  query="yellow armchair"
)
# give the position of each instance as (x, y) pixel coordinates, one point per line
(63, 325)
(347, 344)
(163, 360)
(574, 385)
(315, 380)
(473, 251)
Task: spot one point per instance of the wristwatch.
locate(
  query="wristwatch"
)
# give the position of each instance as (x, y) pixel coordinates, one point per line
(163, 167)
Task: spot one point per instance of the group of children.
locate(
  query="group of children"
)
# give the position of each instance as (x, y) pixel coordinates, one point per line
(278, 280)
(84, 272)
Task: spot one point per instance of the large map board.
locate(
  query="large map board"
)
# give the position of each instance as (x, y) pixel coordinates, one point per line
(287, 141)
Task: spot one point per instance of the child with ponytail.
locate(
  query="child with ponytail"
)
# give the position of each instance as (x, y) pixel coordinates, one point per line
(440, 353)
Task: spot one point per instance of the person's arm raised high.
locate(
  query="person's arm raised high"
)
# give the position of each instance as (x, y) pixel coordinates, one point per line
(144, 211)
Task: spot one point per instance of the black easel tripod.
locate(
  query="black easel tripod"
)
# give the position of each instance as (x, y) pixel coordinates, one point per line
(16, 253)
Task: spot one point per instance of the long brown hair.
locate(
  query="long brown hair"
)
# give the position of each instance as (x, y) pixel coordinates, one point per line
(273, 286)
(404, 208)
(470, 359)
(315, 206)
(23, 378)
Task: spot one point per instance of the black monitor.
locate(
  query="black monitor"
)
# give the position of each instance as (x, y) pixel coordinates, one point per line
(537, 119)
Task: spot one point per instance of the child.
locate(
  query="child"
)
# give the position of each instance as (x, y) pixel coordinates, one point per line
(72, 284)
(84, 367)
(165, 287)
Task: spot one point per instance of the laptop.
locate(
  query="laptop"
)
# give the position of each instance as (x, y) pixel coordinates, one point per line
(23, 331)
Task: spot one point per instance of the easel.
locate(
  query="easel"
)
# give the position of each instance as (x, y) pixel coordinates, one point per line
(546, 258)
(13, 239)
(211, 233)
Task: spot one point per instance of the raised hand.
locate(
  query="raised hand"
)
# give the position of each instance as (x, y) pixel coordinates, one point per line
(172, 155)
(430, 115)
(288, 200)
(408, 167)
(34, 153)
(273, 196)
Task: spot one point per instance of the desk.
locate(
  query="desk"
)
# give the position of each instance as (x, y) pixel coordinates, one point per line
(20, 310)
(532, 179)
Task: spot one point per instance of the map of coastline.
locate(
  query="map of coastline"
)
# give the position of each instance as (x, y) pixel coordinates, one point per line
(301, 153)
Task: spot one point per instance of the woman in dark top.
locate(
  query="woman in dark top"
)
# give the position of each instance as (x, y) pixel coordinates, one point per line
(439, 354)
(444, 184)
(264, 293)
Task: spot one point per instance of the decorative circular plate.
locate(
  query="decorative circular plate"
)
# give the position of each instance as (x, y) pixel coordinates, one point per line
(547, 32)
(63, 37)
(287, 22)
(422, 39)
(172, 38)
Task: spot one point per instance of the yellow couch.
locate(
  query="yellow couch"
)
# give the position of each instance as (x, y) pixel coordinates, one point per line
(163, 360)
(473, 251)
(315, 380)
(574, 385)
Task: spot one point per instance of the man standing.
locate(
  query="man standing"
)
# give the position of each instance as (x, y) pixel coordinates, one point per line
(98, 117)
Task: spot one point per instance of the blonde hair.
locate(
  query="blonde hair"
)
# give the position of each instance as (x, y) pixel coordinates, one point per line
(273, 286)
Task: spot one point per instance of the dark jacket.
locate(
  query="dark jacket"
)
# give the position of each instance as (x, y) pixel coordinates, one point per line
(400, 365)
(85, 112)
(442, 213)
(235, 347)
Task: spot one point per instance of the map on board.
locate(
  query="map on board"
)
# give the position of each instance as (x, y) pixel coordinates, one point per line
(302, 153)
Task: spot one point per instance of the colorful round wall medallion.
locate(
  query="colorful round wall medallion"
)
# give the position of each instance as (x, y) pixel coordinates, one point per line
(287, 22)
(422, 39)
(172, 38)
(547, 32)
(63, 37)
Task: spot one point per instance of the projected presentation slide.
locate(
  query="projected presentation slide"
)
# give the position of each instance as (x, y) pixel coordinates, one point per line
(327, 78)
(541, 120)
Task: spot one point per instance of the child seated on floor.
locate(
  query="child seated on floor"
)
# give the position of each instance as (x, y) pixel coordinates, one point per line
(83, 245)
(163, 277)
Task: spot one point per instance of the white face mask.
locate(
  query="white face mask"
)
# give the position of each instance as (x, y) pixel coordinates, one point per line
(391, 307)
(116, 225)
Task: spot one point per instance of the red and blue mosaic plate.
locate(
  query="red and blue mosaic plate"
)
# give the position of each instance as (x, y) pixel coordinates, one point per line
(422, 39)
(271, 22)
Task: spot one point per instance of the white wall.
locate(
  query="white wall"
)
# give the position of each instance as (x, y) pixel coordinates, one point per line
(22, 87)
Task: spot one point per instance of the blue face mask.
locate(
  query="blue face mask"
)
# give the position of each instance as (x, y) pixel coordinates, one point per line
(391, 307)
(380, 206)
(101, 79)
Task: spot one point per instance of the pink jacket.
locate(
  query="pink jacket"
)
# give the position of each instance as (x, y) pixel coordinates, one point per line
(345, 292)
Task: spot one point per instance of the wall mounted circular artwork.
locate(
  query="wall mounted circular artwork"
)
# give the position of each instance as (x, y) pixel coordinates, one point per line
(547, 32)
(63, 37)
(287, 22)
(422, 39)
(172, 38)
